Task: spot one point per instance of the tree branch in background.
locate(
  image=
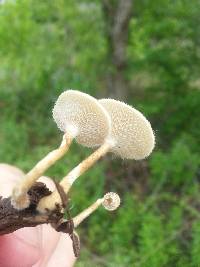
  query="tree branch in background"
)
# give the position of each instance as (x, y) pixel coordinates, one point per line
(117, 17)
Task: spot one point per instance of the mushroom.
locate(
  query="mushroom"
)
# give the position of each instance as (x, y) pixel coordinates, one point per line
(82, 116)
(113, 126)
(110, 201)
(131, 132)
(79, 116)
(131, 137)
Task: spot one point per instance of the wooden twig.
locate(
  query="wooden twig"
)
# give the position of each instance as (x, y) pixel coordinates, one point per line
(12, 219)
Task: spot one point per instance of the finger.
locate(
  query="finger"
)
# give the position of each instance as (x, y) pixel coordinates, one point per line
(63, 255)
(9, 176)
(14, 252)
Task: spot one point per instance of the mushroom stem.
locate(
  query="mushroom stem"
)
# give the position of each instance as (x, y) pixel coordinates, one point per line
(110, 201)
(87, 163)
(20, 199)
(86, 213)
(50, 201)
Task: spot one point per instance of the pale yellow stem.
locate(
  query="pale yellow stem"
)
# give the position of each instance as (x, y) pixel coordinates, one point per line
(20, 198)
(110, 201)
(50, 201)
(83, 215)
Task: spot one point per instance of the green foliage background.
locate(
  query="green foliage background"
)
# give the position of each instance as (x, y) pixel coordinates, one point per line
(48, 46)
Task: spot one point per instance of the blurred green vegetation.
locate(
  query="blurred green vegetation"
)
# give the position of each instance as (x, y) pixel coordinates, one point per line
(48, 46)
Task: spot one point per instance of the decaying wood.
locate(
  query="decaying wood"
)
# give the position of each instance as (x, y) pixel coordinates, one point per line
(12, 219)
(68, 226)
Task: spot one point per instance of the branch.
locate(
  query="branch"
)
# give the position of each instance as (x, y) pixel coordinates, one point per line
(117, 15)
(12, 219)
(120, 30)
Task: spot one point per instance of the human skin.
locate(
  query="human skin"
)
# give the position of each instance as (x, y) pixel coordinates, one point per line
(39, 246)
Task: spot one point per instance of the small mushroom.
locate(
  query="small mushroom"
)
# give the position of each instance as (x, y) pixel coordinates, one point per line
(131, 137)
(110, 201)
(82, 116)
(131, 132)
(79, 116)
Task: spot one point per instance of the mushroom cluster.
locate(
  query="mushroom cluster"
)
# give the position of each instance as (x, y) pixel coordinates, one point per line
(108, 124)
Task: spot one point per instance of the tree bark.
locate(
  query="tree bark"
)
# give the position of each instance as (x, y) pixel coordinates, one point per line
(117, 16)
(12, 219)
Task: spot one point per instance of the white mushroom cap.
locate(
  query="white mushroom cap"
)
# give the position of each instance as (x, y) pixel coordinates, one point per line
(130, 130)
(111, 201)
(83, 117)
